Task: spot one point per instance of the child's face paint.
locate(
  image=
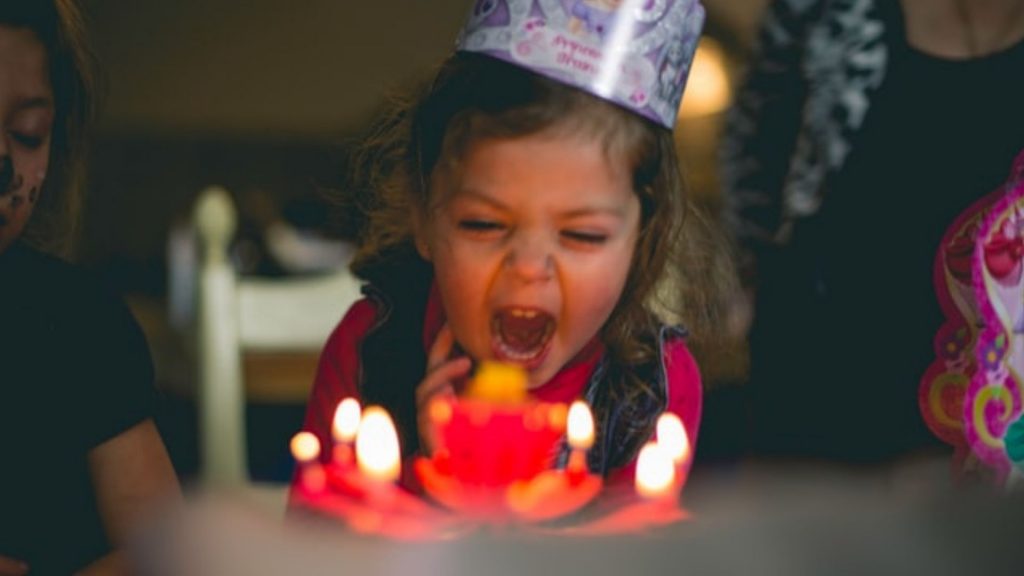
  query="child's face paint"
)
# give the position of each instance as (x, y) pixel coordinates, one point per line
(26, 122)
(531, 241)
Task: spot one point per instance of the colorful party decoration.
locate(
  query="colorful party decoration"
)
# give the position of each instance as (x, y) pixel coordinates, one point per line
(971, 395)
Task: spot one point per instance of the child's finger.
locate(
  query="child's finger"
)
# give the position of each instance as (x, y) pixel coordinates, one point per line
(440, 378)
(441, 348)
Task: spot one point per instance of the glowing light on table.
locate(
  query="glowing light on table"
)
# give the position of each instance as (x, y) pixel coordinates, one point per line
(655, 472)
(305, 447)
(377, 451)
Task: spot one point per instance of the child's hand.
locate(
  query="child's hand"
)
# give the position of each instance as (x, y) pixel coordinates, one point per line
(11, 567)
(441, 372)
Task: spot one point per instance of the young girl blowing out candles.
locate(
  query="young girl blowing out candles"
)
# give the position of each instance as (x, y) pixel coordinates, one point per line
(512, 214)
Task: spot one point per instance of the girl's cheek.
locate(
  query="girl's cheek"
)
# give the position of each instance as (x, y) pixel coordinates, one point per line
(20, 196)
(35, 169)
(35, 175)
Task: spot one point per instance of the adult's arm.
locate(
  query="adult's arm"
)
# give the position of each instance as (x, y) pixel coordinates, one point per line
(761, 131)
(133, 480)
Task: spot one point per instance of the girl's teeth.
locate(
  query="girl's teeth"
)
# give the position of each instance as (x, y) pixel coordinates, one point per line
(520, 338)
(519, 356)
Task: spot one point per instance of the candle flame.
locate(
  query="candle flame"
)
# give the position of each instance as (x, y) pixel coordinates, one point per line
(498, 382)
(377, 451)
(672, 435)
(581, 426)
(655, 472)
(346, 420)
(305, 447)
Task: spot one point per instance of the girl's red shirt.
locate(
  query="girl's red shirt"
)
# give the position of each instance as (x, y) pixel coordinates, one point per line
(339, 368)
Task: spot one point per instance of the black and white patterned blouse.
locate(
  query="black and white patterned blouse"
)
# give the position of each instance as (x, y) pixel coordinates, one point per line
(806, 94)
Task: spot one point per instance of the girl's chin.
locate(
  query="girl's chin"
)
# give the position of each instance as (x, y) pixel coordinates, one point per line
(538, 380)
(541, 374)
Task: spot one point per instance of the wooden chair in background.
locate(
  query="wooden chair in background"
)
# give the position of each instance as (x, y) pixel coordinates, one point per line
(258, 340)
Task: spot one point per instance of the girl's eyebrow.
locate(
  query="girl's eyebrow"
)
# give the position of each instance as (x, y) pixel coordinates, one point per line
(613, 211)
(617, 212)
(479, 196)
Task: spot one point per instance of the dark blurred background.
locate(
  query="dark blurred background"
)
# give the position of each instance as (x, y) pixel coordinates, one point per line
(266, 99)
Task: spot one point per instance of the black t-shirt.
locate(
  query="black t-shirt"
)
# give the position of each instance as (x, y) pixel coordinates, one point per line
(848, 311)
(75, 371)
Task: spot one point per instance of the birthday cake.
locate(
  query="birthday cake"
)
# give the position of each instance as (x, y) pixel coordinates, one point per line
(494, 465)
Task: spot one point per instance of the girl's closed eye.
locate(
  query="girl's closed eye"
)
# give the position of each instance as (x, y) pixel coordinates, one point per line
(30, 141)
(481, 226)
(585, 237)
(31, 128)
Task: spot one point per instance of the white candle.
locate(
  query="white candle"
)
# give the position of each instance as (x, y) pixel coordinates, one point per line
(346, 420)
(377, 451)
(344, 429)
(655, 472)
(580, 433)
(672, 435)
(580, 426)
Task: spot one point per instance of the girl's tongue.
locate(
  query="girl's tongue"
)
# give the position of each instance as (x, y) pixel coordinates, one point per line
(522, 334)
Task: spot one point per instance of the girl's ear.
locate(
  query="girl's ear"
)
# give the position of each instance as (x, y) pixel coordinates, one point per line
(420, 237)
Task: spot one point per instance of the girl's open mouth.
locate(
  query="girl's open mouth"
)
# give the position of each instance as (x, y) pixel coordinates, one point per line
(522, 335)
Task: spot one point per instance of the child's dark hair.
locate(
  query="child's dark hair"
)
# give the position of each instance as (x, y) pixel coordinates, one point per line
(60, 27)
(475, 97)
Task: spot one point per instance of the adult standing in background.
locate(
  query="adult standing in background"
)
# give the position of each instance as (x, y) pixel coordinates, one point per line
(863, 128)
(81, 461)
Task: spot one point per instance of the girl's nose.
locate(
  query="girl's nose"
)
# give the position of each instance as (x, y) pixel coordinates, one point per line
(531, 258)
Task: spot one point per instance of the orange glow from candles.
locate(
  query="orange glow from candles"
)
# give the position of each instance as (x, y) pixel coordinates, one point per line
(440, 411)
(377, 452)
(580, 426)
(346, 420)
(672, 435)
(305, 447)
(655, 472)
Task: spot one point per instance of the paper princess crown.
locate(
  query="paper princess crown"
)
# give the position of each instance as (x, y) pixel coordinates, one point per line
(635, 53)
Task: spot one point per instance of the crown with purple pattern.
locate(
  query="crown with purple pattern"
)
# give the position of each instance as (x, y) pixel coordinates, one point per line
(635, 53)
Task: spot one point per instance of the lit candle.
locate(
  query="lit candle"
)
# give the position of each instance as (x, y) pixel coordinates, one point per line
(655, 472)
(672, 435)
(580, 432)
(344, 430)
(305, 449)
(377, 452)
